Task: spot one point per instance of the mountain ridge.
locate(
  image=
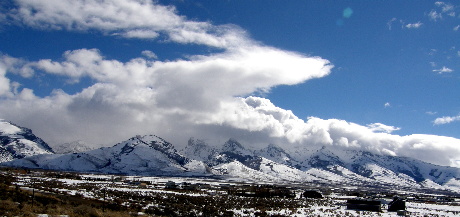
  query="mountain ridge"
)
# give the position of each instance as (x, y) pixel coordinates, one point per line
(152, 155)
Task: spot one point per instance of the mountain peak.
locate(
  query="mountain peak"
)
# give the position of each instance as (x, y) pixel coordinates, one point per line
(19, 142)
(162, 146)
(233, 146)
(276, 154)
(72, 147)
(197, 149)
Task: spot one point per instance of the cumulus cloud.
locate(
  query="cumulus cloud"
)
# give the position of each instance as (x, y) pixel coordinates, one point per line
(140, 89)
(9, 64)
(446, 120)
(186, 98)
(4, 82)
(257, 115)
(379, 127)
(142, 19)
(197, 97)
(425, 147)
(443, 70)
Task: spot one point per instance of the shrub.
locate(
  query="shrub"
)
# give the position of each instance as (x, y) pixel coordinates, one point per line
(85, 210)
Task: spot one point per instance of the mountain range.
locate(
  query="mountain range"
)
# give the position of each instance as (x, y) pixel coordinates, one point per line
(152, 155)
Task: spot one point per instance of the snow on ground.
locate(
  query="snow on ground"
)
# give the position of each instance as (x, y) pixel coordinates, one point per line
(414, 210)
(427, 209)
(332, 205)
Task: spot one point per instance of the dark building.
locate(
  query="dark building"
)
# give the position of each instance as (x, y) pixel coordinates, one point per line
(365, 205)
(396, 204)
(171, 185)
(312, 194)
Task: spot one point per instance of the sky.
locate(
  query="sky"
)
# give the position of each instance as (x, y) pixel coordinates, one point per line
(381, 76)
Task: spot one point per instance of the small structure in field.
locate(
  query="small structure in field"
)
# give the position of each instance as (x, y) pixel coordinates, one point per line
(365, 205)
(396, 205)
(312, 194)
(170, 185)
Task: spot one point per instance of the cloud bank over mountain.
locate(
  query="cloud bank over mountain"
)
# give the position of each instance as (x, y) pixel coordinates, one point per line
(204, 96)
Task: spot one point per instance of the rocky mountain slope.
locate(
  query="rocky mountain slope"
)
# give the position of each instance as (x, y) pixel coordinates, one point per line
(19, 142)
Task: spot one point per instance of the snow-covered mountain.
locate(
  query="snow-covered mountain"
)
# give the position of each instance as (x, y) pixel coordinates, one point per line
(72, 147)
(327, 164)
(19, 142)
(152, 155)
(277, 154)
(140, 155)
(382, 169)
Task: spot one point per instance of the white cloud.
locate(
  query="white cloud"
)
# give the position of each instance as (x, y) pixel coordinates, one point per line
(433, 52)
(434, 15)
(414, 25)
(446, 7)
(456, 28)
(9, 64)
(149, 54)
(446, 120)
(196, 97)
(387, 105)
(141, 93)
(4, 81)
(379, 127)
(173, 100)
(443, 70)
(126, 18)
(442, 9)
(257, 115)
(390, 22)
(403, 24)
(192, 88)
(139, 33)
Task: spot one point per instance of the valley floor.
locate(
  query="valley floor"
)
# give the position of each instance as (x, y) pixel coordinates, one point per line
(28, 193)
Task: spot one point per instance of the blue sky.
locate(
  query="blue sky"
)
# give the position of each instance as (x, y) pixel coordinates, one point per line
(92, 68)
(377, 58)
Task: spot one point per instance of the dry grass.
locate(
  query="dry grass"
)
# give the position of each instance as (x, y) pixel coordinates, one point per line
(22, 203)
